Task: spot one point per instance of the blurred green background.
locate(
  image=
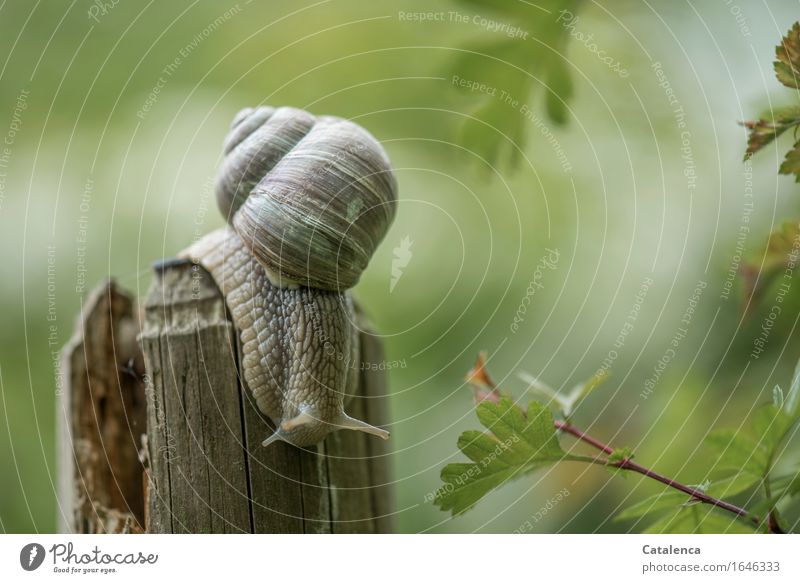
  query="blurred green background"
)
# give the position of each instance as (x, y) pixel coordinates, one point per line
(92, 153)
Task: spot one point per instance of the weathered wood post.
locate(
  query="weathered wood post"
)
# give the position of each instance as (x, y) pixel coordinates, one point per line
(202, 464)
(102, 418)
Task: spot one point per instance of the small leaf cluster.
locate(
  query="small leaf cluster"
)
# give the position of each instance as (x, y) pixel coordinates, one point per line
(767, 129)
(517, 444)
(780, 251)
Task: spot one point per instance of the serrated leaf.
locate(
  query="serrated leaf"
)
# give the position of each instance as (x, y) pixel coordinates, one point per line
(763, 131)
(516, 445)
(791, 164)
(698, 519)
(737, 452)
(787, 65)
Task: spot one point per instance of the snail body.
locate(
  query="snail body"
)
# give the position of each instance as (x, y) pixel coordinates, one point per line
(307, 200)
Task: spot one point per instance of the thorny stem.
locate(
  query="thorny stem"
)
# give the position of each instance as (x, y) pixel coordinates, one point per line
(627, 464)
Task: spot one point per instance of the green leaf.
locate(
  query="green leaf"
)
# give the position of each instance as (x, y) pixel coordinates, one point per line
(490, 132)
(667, 499)
(787, 65)
(697, 519)
(791, 164)
(493, 126)
(513, 71)
(733, 485)
(518, 444)
(770, 425)
(620, 454)
(559, 90)
(737, 452)
(672, 499)
(792, 489)
(788, 483)
(766, 505)
(783, 486)
(752, 459)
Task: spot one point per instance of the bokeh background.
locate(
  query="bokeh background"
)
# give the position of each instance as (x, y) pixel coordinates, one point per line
(110, 152)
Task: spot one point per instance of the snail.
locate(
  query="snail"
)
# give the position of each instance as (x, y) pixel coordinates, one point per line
(307, 200)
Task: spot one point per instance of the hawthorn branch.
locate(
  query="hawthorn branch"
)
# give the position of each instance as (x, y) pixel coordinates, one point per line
(485, 389)
(628, 464)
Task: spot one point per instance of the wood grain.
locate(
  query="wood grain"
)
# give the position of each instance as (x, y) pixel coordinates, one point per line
(102, 418)
(208, 470)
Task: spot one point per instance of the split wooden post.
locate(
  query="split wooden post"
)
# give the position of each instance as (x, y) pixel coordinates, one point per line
(102, 418)
(202, 464)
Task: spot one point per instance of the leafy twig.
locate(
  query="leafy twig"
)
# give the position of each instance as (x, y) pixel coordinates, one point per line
(628, 464)
(522, 441)
(765, 130)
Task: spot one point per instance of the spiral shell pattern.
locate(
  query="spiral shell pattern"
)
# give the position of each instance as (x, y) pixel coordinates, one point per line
(311, 197)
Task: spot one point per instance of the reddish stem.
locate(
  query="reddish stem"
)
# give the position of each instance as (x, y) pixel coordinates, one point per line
(627, 464)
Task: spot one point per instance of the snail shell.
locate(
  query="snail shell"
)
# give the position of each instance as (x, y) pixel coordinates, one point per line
(307, 200)
(311, 197)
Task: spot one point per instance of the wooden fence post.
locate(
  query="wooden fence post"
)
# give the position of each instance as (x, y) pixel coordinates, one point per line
(209, 472)
(202, 464)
